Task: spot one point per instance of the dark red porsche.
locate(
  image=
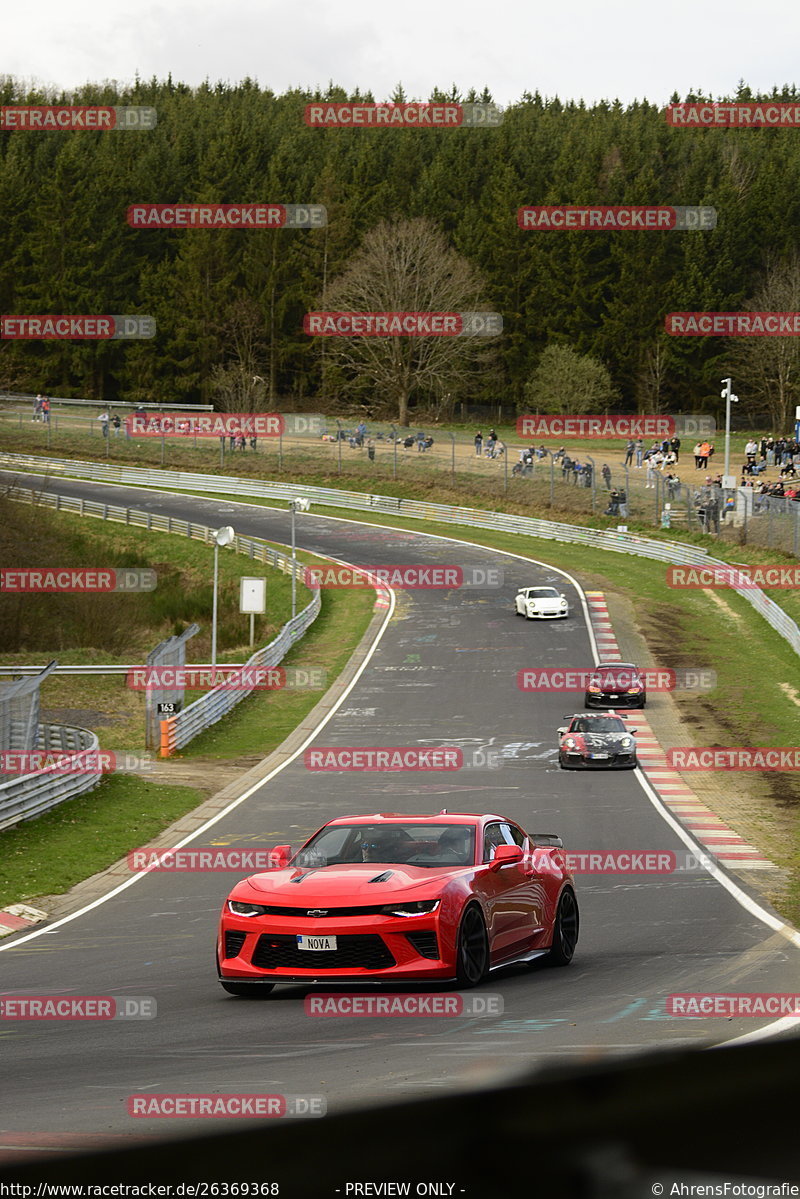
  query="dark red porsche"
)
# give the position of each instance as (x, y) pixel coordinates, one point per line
(390, 898)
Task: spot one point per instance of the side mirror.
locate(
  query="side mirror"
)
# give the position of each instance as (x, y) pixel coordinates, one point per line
(279, 856)
(505, 855)
(562, 730)
(633, 730)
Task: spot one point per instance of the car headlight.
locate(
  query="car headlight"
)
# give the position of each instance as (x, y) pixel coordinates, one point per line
(634, 690)
(245, 909)
(594, 688)
(419, 908)
(570, 743)
(563, 603)
(626, 742)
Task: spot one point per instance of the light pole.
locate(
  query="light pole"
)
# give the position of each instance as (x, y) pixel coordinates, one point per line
(223, 536)
(729, 399)
(296, 505)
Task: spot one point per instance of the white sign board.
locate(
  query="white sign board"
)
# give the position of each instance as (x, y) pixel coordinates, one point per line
(730, 481)
(253, 595)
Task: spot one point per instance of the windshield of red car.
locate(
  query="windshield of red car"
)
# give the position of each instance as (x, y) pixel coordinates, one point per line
(390, 844)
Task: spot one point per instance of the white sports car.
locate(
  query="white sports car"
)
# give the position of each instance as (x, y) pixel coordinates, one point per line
(541, 603)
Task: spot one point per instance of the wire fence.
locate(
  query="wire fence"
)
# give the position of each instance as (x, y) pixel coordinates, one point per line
(615, 540)
(606, 483)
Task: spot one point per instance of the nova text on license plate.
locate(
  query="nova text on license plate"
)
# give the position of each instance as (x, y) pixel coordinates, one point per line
(315, 944)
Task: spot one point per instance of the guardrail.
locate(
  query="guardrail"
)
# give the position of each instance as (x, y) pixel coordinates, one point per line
(209, 708)
(21, 397)
(118, 669)
(27, 795)
(602, 539)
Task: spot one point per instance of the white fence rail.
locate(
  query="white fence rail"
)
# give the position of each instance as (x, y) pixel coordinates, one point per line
(602, 539)
(27, 795)
(211, 707)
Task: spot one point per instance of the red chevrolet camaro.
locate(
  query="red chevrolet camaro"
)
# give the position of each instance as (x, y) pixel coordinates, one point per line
(390, 898)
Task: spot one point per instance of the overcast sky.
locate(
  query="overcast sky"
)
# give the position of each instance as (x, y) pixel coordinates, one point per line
(590, 49)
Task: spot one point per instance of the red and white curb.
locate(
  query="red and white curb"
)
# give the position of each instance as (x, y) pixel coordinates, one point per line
(603, 630)
(17, 916)
(708, 829)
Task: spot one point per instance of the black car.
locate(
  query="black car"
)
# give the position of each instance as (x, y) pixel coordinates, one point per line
(592, 739)
(615, 685)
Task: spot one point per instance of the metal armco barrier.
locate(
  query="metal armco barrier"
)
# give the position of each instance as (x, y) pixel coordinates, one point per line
(602, 539)
(178, 730)
(28, 795)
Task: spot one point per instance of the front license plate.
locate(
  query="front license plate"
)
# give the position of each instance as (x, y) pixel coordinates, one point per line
(315, 944)
(598, 755)
(613, 697)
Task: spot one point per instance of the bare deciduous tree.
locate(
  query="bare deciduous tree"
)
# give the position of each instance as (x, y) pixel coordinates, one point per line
(237, 385)
(406, 266)
(769, 367)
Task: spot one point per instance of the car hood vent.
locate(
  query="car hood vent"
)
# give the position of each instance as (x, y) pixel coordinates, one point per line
(382, 878)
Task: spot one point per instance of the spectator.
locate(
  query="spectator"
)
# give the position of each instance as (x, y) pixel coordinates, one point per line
(639, 448)
(623, 503)
(696, 452)
(420, 440)
(705, 453)
(492, 451)
(371, 450)
(478, 444)
(254, 442)
(103, 418)
(45, 410)
(675, 446)
(711, 521)
(117, 423)
(234, 433)
(361, 432)
(37, 407)
(629, 448)
(613, 504)
(606, 473)
(241, 441)
(651, 471)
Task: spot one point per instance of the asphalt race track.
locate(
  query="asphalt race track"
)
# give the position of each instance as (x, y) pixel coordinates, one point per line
(443, 673)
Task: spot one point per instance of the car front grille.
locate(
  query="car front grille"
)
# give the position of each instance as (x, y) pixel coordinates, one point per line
(233, 943)
(278, 951)
(425, 943)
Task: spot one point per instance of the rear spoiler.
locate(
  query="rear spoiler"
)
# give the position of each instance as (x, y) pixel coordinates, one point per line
(547, 839)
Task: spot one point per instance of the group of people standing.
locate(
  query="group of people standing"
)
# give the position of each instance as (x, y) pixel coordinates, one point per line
(41, 409)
